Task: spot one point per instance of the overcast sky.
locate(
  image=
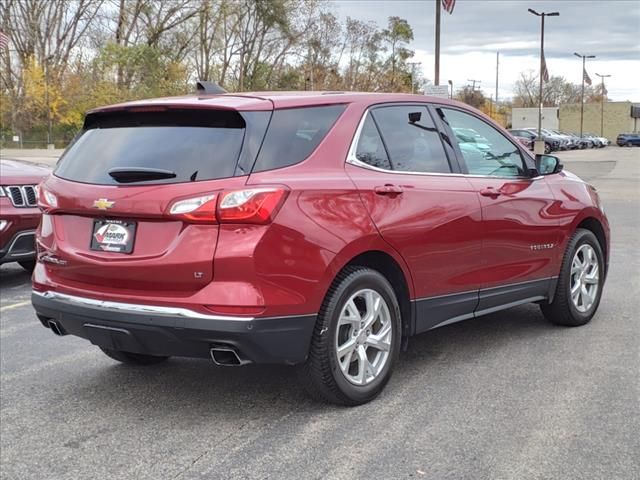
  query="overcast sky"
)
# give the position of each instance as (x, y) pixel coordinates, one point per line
(470, 37)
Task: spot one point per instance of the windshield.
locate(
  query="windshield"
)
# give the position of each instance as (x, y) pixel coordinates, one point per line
(191, 147)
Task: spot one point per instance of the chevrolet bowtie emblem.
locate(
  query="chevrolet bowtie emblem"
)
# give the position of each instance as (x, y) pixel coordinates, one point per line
(102, 204)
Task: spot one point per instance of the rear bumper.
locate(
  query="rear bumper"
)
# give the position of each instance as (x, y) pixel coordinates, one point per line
(175, 331)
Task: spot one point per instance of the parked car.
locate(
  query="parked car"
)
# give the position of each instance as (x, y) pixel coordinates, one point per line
(563, 140)
(550, 145)
(308, 229)
(19, 213)
(628, 139)
(526, 142)
(584, 142)
(597, 142)
(569, 140)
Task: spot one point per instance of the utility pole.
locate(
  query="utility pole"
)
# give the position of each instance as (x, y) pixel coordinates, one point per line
(539, 145)
(497, 70)
(473, 87)
(436, 77)
(602, 90)
(584, 66)
(413, 74)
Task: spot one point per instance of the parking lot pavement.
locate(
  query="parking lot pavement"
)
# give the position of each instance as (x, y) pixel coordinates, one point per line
(506, 396)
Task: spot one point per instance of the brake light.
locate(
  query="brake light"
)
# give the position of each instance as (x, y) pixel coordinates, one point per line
(248, 205)
(198, 209)
(251, 205)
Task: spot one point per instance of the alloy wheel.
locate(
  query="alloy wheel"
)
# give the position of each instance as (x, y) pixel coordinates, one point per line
(585, 278)
(364, 337)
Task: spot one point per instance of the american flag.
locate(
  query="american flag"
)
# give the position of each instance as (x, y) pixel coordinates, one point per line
(586, 77)
(448, 5)
(4, 41)
(545, 72)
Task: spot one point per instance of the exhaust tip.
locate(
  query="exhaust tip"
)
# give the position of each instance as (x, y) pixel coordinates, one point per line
(56, 328)
(226, 356)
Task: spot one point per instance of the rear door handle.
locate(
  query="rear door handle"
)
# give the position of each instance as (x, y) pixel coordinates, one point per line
(388, 189)
(490, 192)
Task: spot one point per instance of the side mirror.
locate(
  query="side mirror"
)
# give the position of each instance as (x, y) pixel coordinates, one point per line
(548, 164)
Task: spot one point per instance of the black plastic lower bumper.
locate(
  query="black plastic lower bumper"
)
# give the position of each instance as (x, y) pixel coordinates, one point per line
(21, 247)
(283, 340)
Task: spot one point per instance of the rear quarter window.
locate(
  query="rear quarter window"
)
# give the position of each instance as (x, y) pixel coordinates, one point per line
(293, 134)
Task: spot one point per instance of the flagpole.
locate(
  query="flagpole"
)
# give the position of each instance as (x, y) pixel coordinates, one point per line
(497, 70)
(539, 145)
(437, 65)
(584, 71)
(584, 61)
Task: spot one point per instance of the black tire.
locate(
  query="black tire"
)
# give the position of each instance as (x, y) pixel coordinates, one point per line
(562, 310)
(28, 265)
(547, 149)
(321, 374)
(133, 358)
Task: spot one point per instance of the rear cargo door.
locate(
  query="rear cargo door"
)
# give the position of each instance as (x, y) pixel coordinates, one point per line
(112, 227)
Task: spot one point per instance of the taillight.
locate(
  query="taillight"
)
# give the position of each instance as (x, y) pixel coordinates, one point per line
(251, 205)
(198, 209)
(47, 200)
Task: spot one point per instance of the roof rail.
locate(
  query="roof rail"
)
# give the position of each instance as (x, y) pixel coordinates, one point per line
(210, 88)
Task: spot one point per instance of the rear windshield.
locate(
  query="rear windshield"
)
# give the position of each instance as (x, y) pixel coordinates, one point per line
(193, 145)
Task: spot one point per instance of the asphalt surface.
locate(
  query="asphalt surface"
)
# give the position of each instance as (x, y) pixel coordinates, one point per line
(507, 396)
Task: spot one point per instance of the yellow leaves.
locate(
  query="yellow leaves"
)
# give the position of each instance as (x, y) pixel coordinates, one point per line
(42, 94)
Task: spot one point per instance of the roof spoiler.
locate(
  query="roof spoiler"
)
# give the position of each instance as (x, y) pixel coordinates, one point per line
(210, 88)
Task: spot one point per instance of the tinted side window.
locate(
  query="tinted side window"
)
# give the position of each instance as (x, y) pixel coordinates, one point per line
(412, 140)
(293, 134)
(370, 148)
(484, 149)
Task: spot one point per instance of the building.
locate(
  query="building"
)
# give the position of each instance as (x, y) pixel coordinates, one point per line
(616, 118)
(528, 118)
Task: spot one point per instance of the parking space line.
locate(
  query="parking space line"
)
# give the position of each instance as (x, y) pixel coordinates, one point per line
(15, 305)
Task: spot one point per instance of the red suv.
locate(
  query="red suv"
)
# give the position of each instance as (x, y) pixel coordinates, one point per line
(19, 213)
(312, 229)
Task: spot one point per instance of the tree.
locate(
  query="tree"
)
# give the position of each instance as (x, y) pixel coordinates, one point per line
(397, 34)
(554, 92)
(68, 56)
(471, 96)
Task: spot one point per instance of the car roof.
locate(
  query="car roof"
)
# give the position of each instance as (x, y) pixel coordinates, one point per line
(251, 101)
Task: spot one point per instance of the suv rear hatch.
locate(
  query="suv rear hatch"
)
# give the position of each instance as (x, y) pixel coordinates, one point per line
(119, 209)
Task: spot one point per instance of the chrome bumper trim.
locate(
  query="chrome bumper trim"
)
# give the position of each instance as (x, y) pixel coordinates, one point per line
(136, 308)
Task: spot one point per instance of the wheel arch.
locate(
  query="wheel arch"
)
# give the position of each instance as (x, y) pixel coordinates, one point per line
(385, 264)
(391, 265)
(595, 226)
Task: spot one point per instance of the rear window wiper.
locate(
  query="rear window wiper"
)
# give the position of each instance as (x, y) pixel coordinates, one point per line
(139, 174)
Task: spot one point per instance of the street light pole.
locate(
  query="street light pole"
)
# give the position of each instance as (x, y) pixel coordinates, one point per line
(451, 85)
(602, 77)
(436, 79)
(584, 61)
(539, 145)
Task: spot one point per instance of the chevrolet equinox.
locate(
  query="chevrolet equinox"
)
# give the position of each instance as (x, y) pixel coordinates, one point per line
(313, 229)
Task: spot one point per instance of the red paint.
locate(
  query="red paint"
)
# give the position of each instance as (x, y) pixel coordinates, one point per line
(448, 233)
(19, 219)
